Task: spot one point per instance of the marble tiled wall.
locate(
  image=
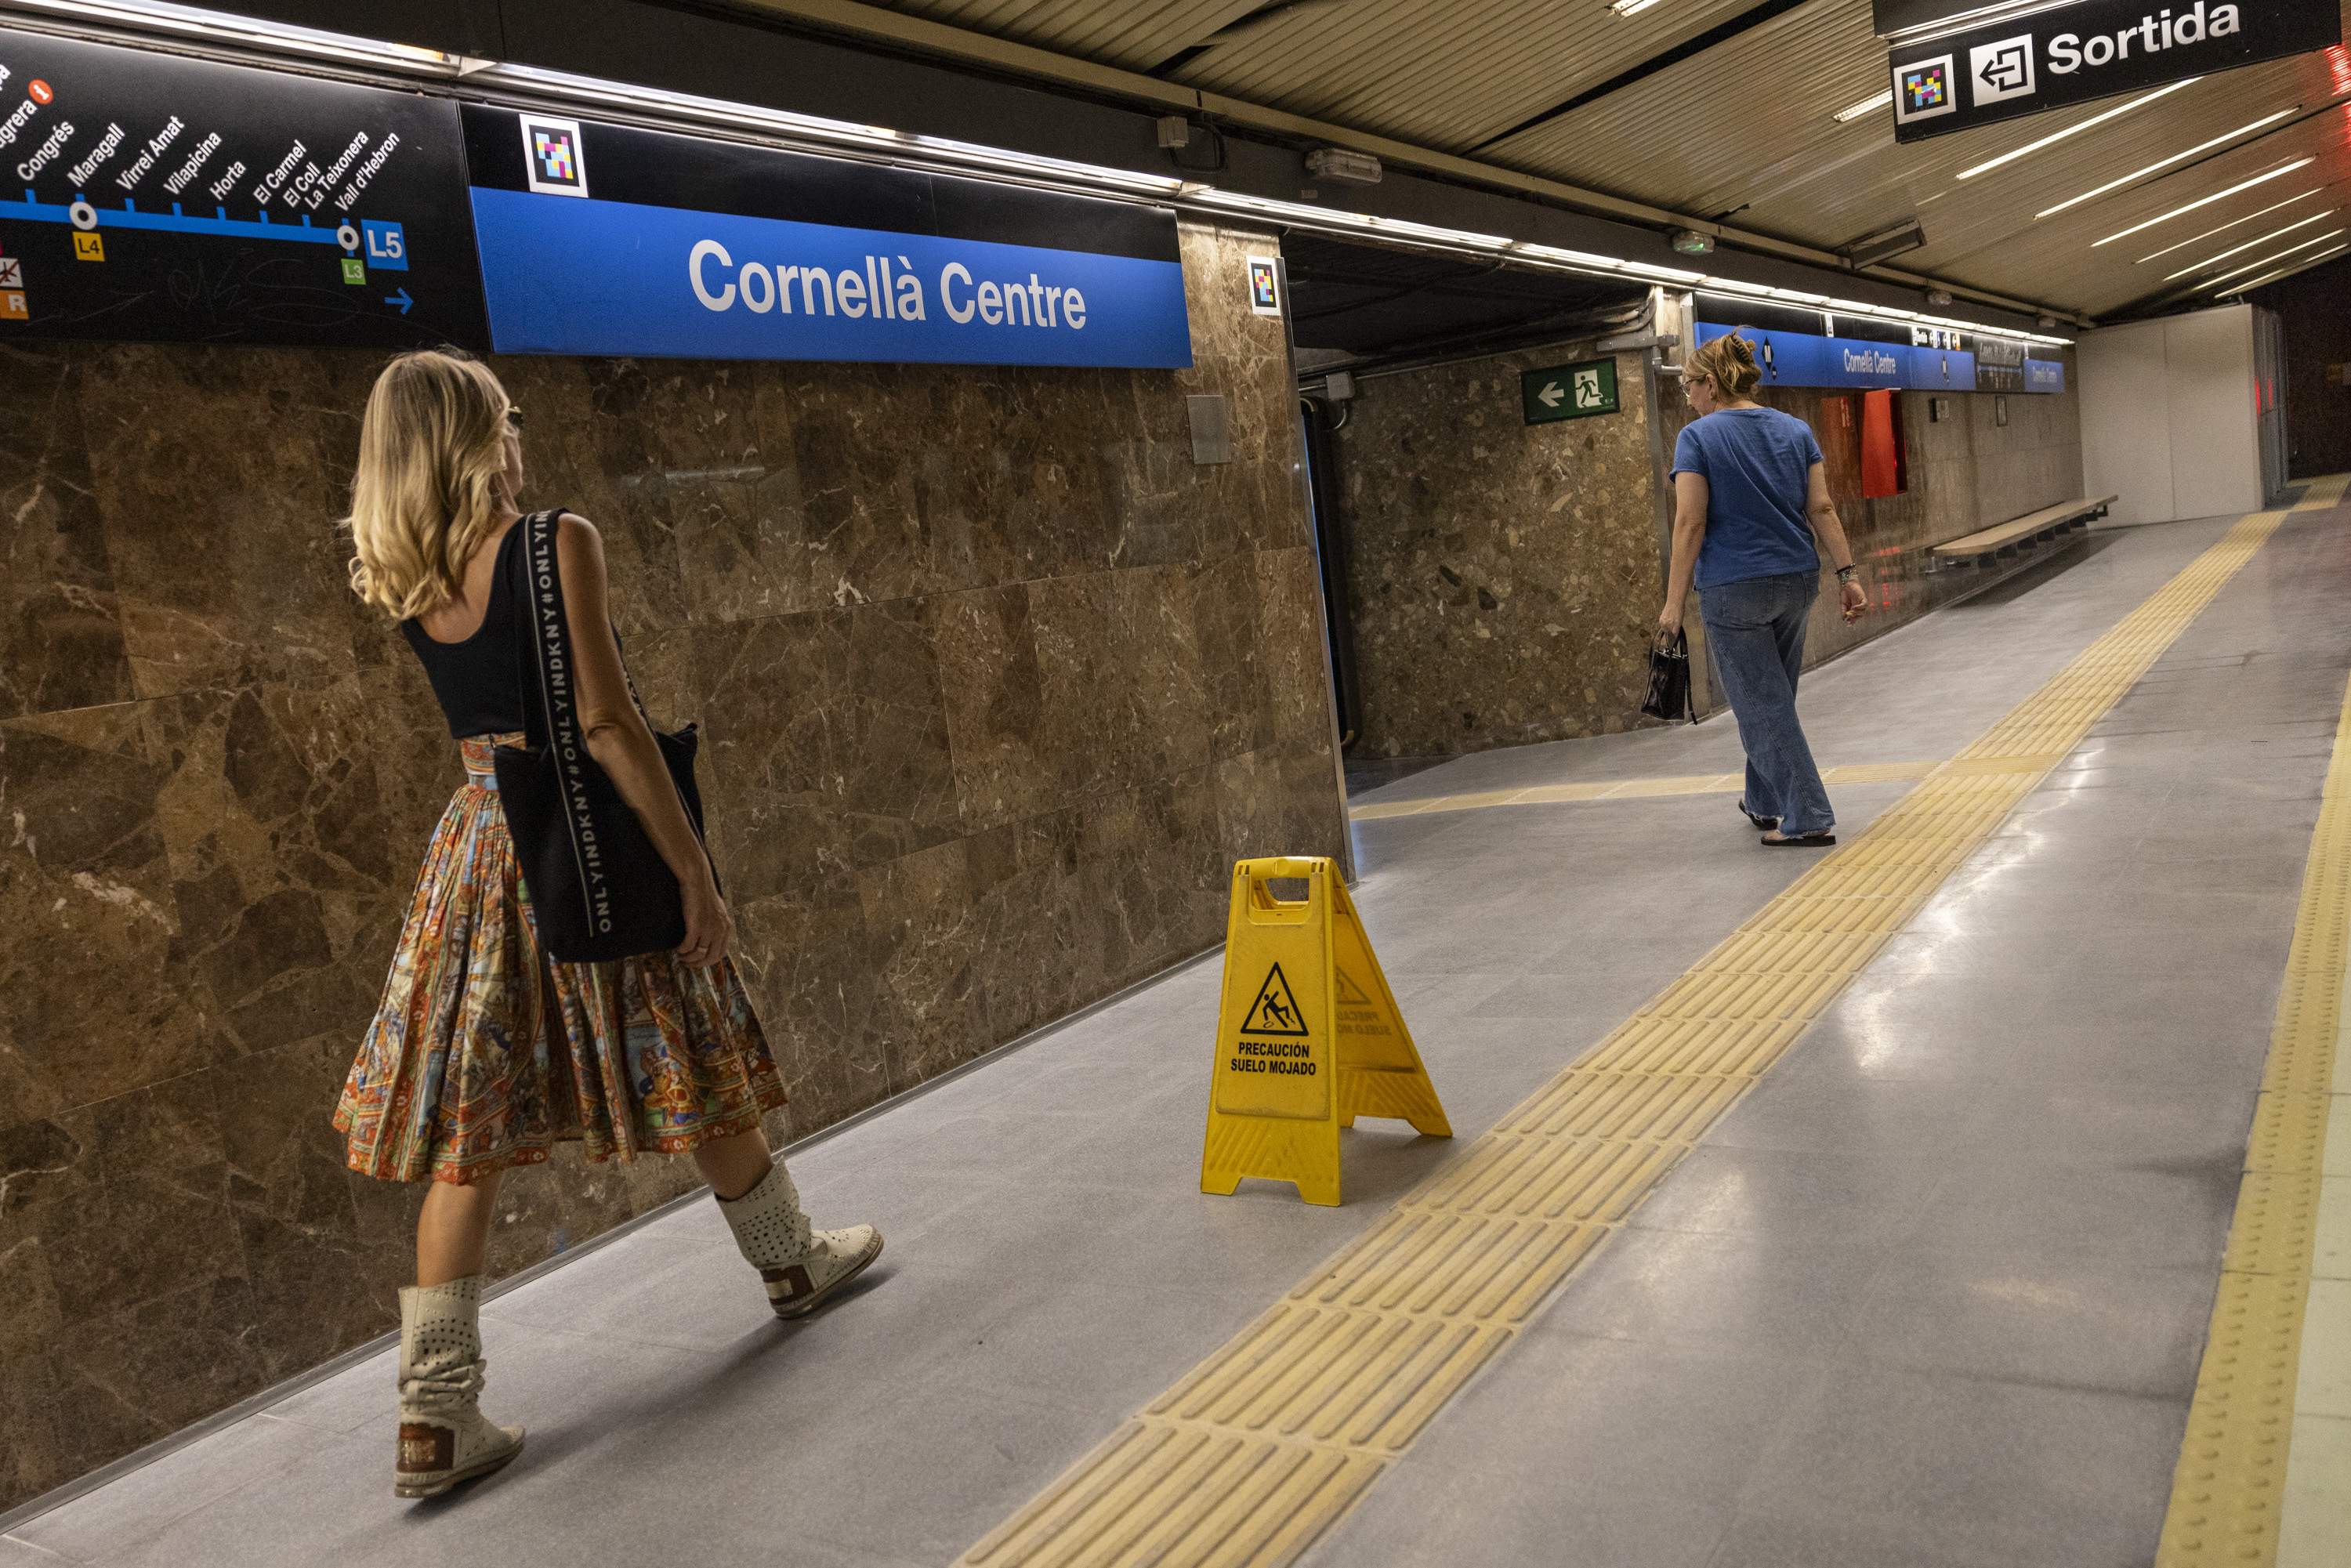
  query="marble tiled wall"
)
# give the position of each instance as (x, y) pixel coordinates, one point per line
(1502, 577)
(995, 683)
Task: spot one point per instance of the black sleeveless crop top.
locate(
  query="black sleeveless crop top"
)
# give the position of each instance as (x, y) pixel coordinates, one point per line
(476, 680)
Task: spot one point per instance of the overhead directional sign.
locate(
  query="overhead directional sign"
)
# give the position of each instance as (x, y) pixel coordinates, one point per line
(2094, 48)
(1569, 391)
(152, 198)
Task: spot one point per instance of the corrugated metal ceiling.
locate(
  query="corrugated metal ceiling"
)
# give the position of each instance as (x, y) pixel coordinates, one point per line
(1742, 130)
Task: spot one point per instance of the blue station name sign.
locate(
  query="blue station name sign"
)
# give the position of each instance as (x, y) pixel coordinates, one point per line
(610, 240)
(1812, 360)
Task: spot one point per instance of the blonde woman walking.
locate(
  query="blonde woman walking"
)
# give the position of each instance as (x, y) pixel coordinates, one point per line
(485, 1051)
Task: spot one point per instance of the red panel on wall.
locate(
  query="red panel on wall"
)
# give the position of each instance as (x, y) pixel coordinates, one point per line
(1881, 448)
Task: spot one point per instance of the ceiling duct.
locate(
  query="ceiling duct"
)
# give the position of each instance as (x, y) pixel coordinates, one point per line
(1883, 244)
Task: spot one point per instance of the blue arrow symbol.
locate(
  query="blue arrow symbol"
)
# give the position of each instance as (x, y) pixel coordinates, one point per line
(400, 299)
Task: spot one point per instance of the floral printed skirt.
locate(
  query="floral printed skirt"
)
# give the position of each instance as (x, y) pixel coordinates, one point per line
(475, 1062)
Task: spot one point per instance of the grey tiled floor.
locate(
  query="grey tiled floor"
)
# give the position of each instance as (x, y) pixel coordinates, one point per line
(1933, 1294)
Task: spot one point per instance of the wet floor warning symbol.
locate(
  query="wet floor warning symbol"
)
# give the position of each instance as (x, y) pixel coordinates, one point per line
(1275, 1011)
(1308, 1037)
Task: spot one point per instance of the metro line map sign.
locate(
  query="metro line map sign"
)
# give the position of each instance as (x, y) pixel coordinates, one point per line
(150, 197)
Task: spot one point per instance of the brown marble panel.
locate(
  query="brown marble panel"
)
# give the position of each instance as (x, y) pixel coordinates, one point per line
(804, 961)
(924, 945)
(219, 473)
(994, 691)
(1151, 877)
(1119, 659)
(1229, 630)
(93, 1004)
(286, 883)
(1503, 576)
(779, 701)
(607, 436)
(1278, 801)
(60, 628)
(1031, 906)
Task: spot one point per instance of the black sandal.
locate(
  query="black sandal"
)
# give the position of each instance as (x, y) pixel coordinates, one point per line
(1762, 824)
(1801, 842)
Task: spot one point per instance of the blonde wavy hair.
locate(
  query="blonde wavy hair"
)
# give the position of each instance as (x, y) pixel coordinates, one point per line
(426, 494)
(1729, 362)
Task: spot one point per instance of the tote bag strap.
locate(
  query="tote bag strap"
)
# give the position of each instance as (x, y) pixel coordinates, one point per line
(551, 696)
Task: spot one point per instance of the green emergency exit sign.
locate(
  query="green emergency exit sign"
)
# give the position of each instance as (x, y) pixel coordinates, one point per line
(1569, 391)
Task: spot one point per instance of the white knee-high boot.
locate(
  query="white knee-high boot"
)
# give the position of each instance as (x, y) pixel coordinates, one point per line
(802, 1267)
(443, 1436)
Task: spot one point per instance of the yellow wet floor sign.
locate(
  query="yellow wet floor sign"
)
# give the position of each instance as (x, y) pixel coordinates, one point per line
(1309, 1037)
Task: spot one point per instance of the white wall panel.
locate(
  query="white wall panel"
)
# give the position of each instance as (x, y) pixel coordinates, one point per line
(2125, 420)
(2216, 452)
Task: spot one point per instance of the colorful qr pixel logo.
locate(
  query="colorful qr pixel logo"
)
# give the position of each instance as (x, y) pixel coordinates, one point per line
(1923, 91)
(555, 162)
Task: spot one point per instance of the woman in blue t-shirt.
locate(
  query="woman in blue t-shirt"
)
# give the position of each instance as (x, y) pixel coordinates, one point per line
(1752, 514)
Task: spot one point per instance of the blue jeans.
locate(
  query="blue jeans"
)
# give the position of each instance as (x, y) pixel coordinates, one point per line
(1755, 630)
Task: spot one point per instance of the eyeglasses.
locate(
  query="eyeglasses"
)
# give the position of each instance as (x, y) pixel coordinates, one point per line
(513, 417)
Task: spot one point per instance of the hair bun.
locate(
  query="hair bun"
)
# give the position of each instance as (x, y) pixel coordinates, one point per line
(1739, 348)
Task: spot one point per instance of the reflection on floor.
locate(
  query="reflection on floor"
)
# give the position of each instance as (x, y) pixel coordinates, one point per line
(1933, 1293)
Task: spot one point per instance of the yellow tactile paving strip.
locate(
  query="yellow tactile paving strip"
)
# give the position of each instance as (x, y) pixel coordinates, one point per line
(1627, 790)
(2323, 495)
(1254, 1453)
(2229, 1493)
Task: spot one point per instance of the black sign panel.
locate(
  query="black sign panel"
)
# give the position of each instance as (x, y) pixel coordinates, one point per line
(2092, 49)
(153, 198)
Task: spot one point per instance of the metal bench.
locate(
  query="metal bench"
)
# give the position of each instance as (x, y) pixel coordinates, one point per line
(1987, 545)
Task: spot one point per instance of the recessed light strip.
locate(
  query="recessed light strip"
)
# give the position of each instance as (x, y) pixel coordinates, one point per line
(2210, 261)
(2164, 163)
(2206, 201)
(2274, 260)
(2285, 272)
(189, 21)
(2232, 222)
(2097, 120)
(1851, 112)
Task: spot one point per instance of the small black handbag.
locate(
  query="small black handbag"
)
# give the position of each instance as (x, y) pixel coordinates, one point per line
(599, 888)
(1669, 688)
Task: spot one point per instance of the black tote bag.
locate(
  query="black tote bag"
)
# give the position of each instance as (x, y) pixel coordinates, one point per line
(599, 889)
(1669, 689)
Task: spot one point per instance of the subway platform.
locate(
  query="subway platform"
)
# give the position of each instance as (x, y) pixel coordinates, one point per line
(1920, 1274)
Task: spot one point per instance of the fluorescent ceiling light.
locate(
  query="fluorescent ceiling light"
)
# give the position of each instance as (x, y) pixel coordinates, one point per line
(2289, 271)
(1866, 106)
(1990, 165)
(1330, 218)
(2163, 164)
(899, 143)
(190, 21)
(2281, 256)
(1627, 7)
(2238, 249)
(2232, 222)
(2206, 201)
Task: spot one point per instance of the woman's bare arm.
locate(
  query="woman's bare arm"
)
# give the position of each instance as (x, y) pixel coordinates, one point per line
(621, 741)
(1691, 497)
(1828, 528)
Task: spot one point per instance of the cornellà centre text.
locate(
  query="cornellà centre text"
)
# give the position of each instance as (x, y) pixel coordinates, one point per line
(881, 290)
